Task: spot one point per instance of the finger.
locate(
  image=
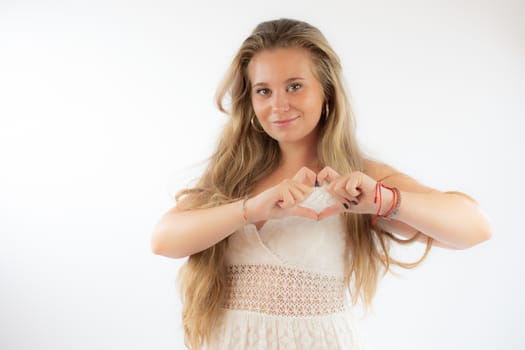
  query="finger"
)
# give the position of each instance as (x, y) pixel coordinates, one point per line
(352, 186)
(286, 199)
(302, 211)
(345, 203)
(306, 190)
(343, 196)
(292, 192)
(336, 189)
(327, 175)
(336, 185)
(298, 193)
(345, 188)
(332, 210)
(338, 192)
(305, 176)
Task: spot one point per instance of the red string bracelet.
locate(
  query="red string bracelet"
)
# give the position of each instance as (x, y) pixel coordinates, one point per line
(393, 205)
(396, 201)
(379, 194)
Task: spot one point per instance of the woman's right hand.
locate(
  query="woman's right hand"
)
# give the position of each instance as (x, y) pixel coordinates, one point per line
(283, 199)
(180, 233)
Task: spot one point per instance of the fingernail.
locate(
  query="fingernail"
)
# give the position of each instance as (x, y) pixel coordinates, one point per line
(345, 205)
(354, 202)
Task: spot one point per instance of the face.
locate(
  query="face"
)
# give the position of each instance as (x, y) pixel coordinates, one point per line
(286, 95)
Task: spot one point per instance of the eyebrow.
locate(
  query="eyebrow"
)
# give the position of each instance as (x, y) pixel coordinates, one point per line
(289, 80)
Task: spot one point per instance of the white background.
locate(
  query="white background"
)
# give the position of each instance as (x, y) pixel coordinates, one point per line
(106, 110)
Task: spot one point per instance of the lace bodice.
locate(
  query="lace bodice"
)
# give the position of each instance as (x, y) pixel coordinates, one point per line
(285, 285)
(293, 241)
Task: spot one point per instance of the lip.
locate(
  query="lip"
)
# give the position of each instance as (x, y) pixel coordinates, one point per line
(285, 122)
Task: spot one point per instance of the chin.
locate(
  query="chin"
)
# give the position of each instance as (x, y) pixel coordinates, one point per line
(291, 136)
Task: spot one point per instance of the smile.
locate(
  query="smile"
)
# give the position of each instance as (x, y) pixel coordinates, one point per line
(284, 122)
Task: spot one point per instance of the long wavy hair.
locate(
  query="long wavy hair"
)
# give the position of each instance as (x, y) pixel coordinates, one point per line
(245, 156)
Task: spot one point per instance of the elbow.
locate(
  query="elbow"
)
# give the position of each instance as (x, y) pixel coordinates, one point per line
(159, 245)
(485, 233)
(479, 235)
(480, 229)
(166, 239)
(156, 242)
(156, 246)
(160, 248)
(484, 230)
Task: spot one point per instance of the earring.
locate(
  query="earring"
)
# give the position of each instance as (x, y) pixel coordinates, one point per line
(252, 122)
(326, 110)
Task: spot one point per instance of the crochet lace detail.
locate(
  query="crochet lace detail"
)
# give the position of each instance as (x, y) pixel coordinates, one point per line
(283, 291)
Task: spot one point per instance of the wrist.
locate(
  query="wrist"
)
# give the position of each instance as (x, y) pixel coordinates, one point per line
(248, 214)
(395, 202)
(244, 211)
(388, 201)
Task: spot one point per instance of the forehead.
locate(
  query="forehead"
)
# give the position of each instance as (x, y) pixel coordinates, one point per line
(277, 65)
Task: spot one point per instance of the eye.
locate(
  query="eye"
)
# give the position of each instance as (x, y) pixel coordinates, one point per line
(294, 86)
(262, 92)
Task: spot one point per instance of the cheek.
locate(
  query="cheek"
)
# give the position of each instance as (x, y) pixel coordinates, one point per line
(259, 107)
(315, 108)
(310, 103)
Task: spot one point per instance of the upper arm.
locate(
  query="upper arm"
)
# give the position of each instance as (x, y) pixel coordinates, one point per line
(394, 178)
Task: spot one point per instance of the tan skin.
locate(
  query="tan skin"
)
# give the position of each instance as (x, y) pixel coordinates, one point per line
(287, 99)
(275, 98)
(374, 170)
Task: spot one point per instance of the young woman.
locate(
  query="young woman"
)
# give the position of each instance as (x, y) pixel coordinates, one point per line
(290, 214)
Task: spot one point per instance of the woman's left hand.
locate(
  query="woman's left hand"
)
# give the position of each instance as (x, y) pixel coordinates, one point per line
(355, 193)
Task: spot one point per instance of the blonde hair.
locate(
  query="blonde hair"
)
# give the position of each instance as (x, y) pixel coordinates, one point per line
(245, 156)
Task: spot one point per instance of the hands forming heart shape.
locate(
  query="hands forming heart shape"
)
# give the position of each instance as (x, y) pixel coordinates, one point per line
(316, 196)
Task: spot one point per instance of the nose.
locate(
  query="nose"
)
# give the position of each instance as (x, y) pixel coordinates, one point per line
(280, 102)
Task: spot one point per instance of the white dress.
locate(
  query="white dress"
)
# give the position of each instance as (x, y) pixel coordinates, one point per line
(285, 286)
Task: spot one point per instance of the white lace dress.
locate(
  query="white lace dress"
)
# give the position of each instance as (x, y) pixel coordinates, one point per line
(285, 286)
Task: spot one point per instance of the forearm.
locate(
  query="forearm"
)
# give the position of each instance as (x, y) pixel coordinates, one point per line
(182, 233)
(449, 218)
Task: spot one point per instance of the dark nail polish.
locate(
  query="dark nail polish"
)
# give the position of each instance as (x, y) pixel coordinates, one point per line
(346, 206)
(354, 202)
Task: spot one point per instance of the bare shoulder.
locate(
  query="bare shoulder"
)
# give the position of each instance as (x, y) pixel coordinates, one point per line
(392, 177)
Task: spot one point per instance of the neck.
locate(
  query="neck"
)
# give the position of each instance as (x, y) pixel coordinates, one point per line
(295, 156)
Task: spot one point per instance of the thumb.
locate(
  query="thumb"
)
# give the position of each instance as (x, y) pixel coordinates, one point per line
(305, 212)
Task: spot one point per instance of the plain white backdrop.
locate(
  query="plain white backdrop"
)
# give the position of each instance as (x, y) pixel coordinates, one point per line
(106, 110)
